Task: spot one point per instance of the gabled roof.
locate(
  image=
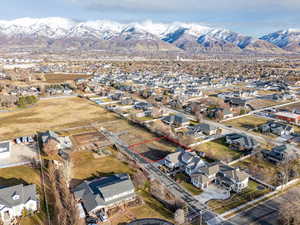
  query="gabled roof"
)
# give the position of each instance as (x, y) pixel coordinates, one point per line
(174, 157)
(178, 118)
(203, 127)
(211, 169)
(187, 157)
(104, 191)
(17, 195)
(233, 174)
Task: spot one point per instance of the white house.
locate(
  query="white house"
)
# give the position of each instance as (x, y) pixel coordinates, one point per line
(15, 199)
(172, 160)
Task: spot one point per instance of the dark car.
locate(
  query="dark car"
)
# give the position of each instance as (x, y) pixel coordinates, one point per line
(92, 220)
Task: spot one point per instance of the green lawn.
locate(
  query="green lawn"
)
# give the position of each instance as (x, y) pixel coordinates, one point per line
(250, 193)
(182, 180)
(219, 150)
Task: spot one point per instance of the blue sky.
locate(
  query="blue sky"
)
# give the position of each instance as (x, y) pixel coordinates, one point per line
(253, 17)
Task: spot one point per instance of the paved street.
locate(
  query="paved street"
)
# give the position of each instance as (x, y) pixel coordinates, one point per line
(266, 213)
(230, 129)
(196, 207)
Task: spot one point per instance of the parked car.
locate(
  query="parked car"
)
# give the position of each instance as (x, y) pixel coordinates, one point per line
(30, 139)
(18, 141)
(92, 220)
(24, 139)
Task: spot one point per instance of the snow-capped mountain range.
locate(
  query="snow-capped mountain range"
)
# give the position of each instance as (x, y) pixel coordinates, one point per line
(103, 34)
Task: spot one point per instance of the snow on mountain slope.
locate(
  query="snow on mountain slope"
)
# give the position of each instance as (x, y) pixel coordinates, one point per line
(51, 27)
(101, 29)
(186, 36)
(287, 39)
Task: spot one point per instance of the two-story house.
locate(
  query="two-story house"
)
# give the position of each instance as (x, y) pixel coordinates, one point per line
(205, 176)
(232, 179)
(105, 193)
(15, 199)
(281, 154)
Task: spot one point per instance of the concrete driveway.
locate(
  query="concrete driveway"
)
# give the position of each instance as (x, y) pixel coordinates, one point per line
(212, 192)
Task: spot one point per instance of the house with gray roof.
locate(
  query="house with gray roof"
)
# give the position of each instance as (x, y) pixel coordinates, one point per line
(14, 199)
(276, 128)
(178, 120)
(205, 176)
(232, 179)
(63, 142)
(5, 148)
(105, 193)
(203, 128)
(241, 142)
(282, 154)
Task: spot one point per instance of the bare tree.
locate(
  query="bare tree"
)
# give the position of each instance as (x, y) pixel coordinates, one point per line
(179, 216)
(289, 210)
(199, 116)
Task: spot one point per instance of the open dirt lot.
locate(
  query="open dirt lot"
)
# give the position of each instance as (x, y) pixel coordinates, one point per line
(51, 114)
(91, 140)
(20, 153)
(247, 122)
(141, 141)
(60, 78)
(155, 149)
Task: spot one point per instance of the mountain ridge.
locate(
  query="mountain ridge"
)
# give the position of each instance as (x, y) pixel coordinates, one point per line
(61, 32)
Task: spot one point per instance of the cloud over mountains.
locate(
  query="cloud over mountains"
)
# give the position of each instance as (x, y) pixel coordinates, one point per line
(189, 5)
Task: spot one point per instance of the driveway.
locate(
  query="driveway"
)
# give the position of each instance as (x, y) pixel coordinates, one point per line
(20, 153)
(212, 192)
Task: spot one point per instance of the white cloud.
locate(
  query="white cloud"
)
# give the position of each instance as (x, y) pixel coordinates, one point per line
(189, 5)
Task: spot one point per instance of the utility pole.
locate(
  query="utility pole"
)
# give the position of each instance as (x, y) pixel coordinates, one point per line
(200, 218)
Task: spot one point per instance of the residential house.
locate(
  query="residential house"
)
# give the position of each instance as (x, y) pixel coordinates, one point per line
(276, 128)
(232, 179)
(185, 160)
(104, 194)
(145, 106)
(194, 165)
(205, 176)
(241, 142)
(178, 120)
(203, 128)
(62, 142)
(172, 160)
(15, 199)
(281, 154)
(213, 113)
(236, 102)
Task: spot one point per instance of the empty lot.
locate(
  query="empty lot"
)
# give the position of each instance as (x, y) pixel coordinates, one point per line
(60, 78)
(51, 114)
